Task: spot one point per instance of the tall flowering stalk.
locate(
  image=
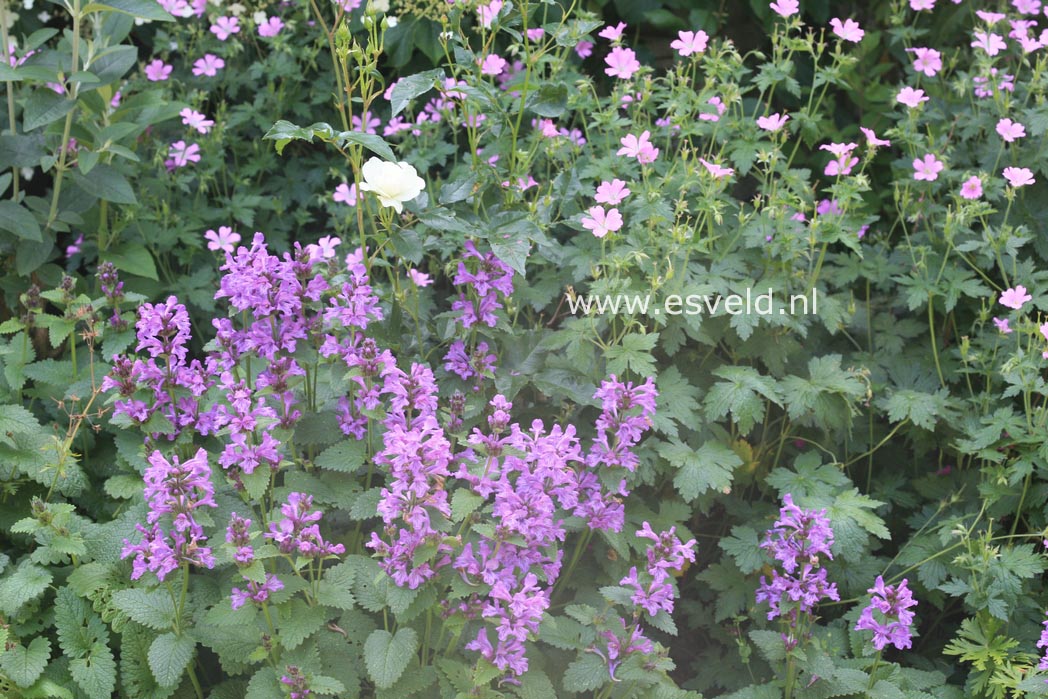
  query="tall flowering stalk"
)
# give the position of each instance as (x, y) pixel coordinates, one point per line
(796, 541)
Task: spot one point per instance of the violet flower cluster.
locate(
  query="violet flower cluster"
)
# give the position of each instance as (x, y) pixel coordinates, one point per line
(176, 489)
(888, 615)
(653, 591)
(796, 541)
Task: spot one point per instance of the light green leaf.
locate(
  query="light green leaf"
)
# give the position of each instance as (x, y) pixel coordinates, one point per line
(168, 657)
(17, 219)
(387, 655)
(153, 609)
(24, 664)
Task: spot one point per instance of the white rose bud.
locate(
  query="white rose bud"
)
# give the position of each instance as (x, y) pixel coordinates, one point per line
(391, 22)
(392, 183)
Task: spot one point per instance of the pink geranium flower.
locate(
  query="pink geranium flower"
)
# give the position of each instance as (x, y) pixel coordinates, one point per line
(225, 239)
(270, 27)
(1010, 130)
(910, 97)
(612, 193)
(1018, 176)
(612, 33)
(488, 13)
(493, 64)
(843, 161)
(420, 279)
(324, 248)
(602, 223)
(1002, 325)
(181, 154)
(346, 194)
(872, 139)
(927, 168)
(535, 34)
(209, 65)
(622, 63)
(1015, 298)
(719, 105)
(688, 43)
(638, 147)
(785, 8)
(1027, 7)
(972, 188)
(158, 71)
(773, 122)
(918, 5)
(196, 120)
(989, 42)
(225, 27)
(927, 61)
(718, 171)
(584, 49)
(991, 18)
(849, 30)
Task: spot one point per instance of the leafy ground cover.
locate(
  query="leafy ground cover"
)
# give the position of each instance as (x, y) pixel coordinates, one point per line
(538, 349)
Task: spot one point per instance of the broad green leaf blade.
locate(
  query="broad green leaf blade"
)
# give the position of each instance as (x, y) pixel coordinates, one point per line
(106, 182)
(168, 657)
(387, 655)
(16, 219)
(143, 9)
(23, 664)
(407, 89)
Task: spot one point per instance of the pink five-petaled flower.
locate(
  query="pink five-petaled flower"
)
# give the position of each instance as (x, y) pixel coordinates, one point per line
(270, 27)
(209, 65)
(613, 33)
(1015, 298)
(718, 171)
(972, 188)
(991, 18)
(225, 27)
(182, 154)
(420, 279)
(1002, 325)
(918, 5)
(225, 239)
(584, 49)
(927, 168)
(1027, 7)
(1010, 130)
(196, 120)
(346, 194)
(158, 71)
(1018, 176)
(785, 8)
(872, 139)
(848, 30)
(493, 64)
(989, 42)
(612, 193)
(927, 61)
(602, 223)
(622, 63)
(910, 97)
(843, 161)
(688, 43)
(638, 147)
(488, 13)
(773, 122)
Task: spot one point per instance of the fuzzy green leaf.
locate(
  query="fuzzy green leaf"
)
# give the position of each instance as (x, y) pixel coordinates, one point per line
(387, 655)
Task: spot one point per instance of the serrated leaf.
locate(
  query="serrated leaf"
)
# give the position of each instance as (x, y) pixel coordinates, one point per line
(298, 621)
(153, 609)
(586, 673)
(169, 655)
(345, 457)
(26, 583)
(24, 664)
(96, 672)
(710, 467)
(744, 546)
(387, 655)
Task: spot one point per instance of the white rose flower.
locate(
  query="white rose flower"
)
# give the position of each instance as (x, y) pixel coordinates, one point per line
(391, 21)
(392, 183)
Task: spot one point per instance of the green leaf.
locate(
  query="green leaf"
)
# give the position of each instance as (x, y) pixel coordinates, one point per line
(169, 655)
(710, 467)
(43, 107)
(133, 258)
(17, 219)
(770, 644)
(283, 132)
(153, 609)
(345, 457)
(534, 684)
(26, 583)
(586, 673)
(411, 87)
(634, 354)
(23, 665)
(387, 655)
(740, 395)
(550, 100)
(297, 621)
(744, 546)
(96, 672)
(143, 9)
(464, 503)
(106, 182)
